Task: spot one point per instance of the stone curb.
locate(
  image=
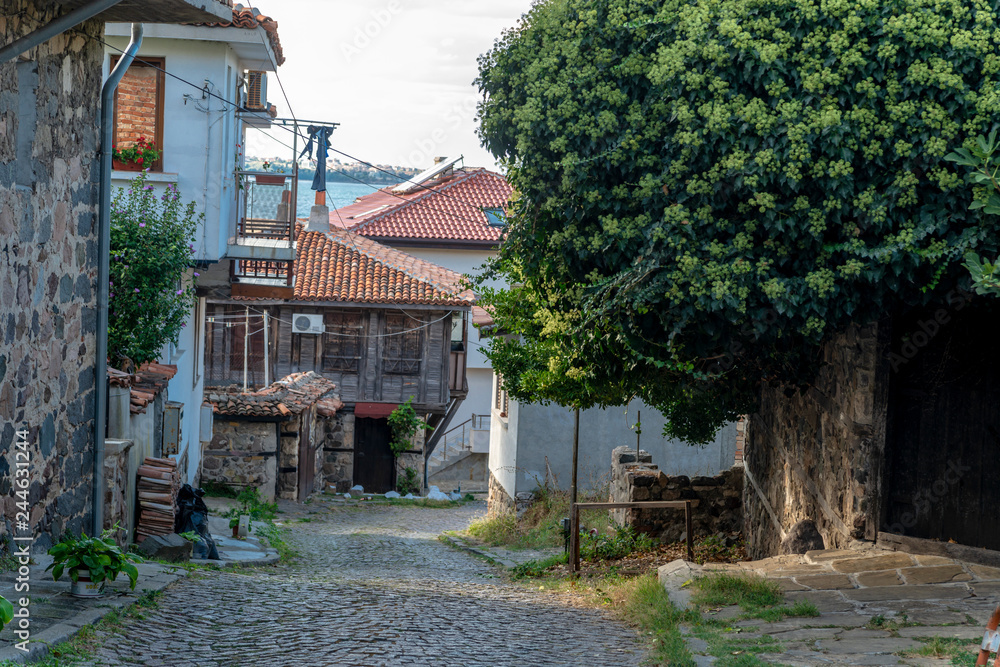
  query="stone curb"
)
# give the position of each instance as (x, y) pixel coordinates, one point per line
(459, 544)
(38, 646)
(270, 558)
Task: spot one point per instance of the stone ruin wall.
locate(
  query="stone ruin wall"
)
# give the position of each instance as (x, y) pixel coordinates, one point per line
(717, 507)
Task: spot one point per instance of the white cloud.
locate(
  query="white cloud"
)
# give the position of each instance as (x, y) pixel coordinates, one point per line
(397, 74)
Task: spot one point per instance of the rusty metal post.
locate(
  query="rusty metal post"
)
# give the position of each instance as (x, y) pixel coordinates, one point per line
(690, 530)
(574, 538)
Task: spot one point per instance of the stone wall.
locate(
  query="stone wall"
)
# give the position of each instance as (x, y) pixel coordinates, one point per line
(818, 455)
(716, 507)
(337, 434)
(48, 266)
(242, 453)
(498, 501)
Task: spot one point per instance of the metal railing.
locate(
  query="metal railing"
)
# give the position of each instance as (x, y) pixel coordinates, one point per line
(267, 206)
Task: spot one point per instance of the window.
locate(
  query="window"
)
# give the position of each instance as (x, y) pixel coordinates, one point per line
(343, 342)
(458, 331)
(139, 106)
(496, 217)
(500, 400)
(403, 345)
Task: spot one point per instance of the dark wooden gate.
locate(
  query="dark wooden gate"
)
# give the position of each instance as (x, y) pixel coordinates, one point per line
(943, 430)
(307, 456)
(374, 464)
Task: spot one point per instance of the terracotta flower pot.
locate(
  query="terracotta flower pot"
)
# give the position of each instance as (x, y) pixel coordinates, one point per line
(270, 179)
(118, 165)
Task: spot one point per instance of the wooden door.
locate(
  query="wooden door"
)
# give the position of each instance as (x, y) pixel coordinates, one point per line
(374, 463)
(307, 456)
(943, 426)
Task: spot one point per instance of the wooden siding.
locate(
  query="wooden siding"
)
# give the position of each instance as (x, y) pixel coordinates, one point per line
(294, 353)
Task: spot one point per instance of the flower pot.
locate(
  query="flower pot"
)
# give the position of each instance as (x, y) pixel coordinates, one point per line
(236, 531)
(270, 179)
(118, 165)
(83, 587)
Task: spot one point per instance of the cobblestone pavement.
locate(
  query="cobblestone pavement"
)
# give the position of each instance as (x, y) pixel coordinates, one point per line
(373, 587)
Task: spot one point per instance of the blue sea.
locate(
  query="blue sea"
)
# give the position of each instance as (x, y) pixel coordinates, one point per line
(337, 195)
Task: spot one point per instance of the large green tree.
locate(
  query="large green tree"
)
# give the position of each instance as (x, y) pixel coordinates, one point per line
(707, 189)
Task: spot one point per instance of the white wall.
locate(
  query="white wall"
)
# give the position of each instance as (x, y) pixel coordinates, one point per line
(503, 446)
(196, 154)
(543, 434)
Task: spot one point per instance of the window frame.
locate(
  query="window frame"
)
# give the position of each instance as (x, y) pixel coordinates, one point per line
(413, 339)
(358, 338)
(153, 63)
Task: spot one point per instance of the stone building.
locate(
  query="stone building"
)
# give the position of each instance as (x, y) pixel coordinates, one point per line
(894, 442)
(49, 111)
(272, 439)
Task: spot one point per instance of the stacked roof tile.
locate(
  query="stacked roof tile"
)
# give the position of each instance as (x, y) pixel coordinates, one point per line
(342, 266)
(447, 210)
(144, 385)
(250, 18)
(289, 396)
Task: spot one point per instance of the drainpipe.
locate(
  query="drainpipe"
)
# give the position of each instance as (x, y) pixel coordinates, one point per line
(104, 270)
(56, 27)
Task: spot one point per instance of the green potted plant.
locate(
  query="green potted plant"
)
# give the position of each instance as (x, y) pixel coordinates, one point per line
(271, 178)
(91, 562)
(141, 155)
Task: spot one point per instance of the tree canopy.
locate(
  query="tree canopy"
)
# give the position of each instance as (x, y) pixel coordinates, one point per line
(708, 189)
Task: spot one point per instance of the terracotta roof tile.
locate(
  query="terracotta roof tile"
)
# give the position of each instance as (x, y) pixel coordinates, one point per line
(290, 395)
(449, 212)
(251, 18)
(342, 266)
(144, 385)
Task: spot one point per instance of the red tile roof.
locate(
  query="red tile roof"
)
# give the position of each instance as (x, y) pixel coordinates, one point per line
(342, 266)
(251, 19)
(144, 385)
(290, 395)
(451, 212)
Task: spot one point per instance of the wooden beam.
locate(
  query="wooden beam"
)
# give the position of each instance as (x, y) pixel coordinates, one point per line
(261, 291)
(917, 545)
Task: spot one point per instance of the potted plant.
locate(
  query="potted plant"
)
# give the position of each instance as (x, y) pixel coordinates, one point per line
(276, 178)
(91, 562)
(137, 157)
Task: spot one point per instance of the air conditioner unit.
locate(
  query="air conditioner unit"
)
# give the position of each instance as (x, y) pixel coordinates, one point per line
(307, 324)
(257, 90)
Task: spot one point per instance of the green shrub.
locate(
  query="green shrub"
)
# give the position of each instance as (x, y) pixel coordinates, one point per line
(625, 541)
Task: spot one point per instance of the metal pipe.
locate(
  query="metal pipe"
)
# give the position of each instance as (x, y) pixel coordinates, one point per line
(104, 270)
(55, 27)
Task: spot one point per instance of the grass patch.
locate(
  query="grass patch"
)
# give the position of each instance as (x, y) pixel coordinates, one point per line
(962, 652)
(881, 622)
(751, 592)
(275, 538)
(539, 526)
(536, 568)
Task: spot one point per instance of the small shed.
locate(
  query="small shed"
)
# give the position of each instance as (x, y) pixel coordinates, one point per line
(271, 439)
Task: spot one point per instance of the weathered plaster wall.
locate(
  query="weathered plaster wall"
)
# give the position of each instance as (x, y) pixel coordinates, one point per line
(48, 266)
(716, 501)
(818, 455)
(242, 453)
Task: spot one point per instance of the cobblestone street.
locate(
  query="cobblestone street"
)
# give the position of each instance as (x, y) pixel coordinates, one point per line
(373, 587)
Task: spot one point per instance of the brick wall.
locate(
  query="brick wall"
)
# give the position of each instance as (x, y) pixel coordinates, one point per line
(136, 106)
(48, 266)
(818, 455)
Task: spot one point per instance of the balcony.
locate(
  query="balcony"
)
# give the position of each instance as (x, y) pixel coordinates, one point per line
(265, 229)
(263, 247)
(457, 381)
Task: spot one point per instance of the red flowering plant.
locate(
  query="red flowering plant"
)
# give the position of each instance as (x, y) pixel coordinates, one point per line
(143, 153)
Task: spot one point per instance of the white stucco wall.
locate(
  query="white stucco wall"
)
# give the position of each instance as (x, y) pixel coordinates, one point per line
(540, 433)
(503, 446)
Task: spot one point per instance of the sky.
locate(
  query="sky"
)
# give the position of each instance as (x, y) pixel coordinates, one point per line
(396, 74)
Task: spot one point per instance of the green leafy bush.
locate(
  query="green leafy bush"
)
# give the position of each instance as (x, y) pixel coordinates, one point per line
(409, 482)
(708, 189)
(152, 283)
(625, 541)
(6, 612)
(405, 424)
(100, 555)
